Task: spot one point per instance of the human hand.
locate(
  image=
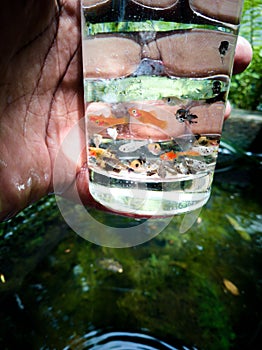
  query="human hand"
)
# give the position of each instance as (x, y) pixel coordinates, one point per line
(41, 99)
(243, 57)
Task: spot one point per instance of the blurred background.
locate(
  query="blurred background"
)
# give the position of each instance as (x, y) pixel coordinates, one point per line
(246, 88)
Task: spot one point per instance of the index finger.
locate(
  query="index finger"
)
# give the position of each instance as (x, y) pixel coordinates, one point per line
(243, 55)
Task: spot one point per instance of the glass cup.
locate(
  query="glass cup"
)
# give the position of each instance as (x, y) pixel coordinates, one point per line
(156, 79)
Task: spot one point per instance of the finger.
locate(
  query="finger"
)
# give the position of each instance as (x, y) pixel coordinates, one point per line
(227, 110)
(243, 55)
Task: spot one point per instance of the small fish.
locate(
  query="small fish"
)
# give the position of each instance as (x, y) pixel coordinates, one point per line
(154, 148)
(169, 156)
(170, 169)
(107, 121)
(137, 164)
(189, 153)
(240, 230)
(205, 151)
(162, 171)
(110, 163)
(224, 45)
(110, 265)
(182, 168)
(97, 139)
(151, 172)
(2, 278)
(112, 132)
(132, 146)
(147, 117)
(205, 141)
(217, 87)
(231, 287)
(195, 165)
(19, 302)
(99, 152)
(183, 115)
(223, 48)
(173, 101)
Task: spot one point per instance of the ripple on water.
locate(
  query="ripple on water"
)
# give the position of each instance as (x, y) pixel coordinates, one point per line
(97, 340)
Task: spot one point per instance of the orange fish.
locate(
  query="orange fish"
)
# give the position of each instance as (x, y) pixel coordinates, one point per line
(99, 152)
(147, 117)
(107, 121)
(169, 156)
(189, 153)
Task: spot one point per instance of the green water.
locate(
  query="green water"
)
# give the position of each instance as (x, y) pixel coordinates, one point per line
(57, 287)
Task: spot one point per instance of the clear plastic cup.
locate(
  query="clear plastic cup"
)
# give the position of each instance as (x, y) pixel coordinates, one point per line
(156, 79)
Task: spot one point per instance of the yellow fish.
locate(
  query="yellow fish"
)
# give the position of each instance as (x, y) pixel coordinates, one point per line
(231, 287)
(99, 152)
(154, 148)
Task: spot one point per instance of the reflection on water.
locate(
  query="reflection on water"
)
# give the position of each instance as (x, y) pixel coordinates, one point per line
(201, 289)
(120, 340)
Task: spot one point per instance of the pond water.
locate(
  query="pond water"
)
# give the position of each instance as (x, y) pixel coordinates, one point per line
(199, 290)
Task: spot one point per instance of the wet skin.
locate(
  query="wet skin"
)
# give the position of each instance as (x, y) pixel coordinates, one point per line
(41, 98)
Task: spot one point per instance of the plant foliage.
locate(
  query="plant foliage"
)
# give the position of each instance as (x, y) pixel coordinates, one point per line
(246, 88)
